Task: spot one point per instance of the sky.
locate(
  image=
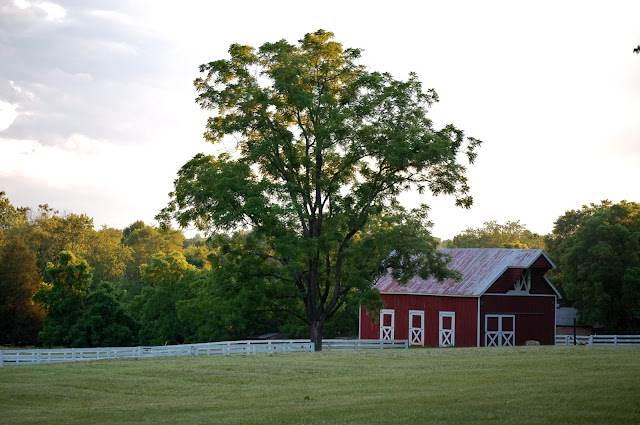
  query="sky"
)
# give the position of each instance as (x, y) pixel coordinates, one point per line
(98, 112)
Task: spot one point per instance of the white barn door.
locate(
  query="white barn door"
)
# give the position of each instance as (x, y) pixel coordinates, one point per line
(387, 320)
(416, 327)
(447, 329)
(499, 330)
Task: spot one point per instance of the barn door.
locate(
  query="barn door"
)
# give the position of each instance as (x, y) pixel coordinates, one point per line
(499, 330)
(416, 327)
(447, 329)
(387, 319)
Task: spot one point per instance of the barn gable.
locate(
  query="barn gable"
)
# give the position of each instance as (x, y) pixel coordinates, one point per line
(517, 281)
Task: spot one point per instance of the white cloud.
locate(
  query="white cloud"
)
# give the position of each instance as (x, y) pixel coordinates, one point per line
(112, 15)
(61, 165)
(8, 113)
(117, 47)
(54, 11)
(22, 4)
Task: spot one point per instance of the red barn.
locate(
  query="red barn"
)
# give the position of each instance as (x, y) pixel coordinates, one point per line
(503, 299)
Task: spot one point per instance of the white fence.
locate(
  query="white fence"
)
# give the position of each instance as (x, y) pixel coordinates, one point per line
(599, 340)
(64, 355)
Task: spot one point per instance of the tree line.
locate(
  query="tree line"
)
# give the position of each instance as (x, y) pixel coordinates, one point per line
(63, 283)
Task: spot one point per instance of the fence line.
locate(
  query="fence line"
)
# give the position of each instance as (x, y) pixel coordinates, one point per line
(598, 340)
(64, 355)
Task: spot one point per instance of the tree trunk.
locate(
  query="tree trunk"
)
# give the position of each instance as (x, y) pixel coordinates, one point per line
(315, 330)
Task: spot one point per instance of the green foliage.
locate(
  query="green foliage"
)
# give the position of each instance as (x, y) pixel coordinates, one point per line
(52, 233)
(198, 255)
(324, 148)
(64, 299)
(20, 278)
(9, 215)
(144, 241)
(567, 224)
(564, 227)
(601, 267)
(167, 280)
(104, 322)
(512, 234)
(78, 312)
(107, 256)
(236, 298)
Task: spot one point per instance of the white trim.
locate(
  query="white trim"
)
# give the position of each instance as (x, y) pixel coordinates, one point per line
(555, 326)
(522, 285)
(420, 330)
(447, 337)
(524, 294)
(553, 287)
(359, 321)
(387, 332)
(430, 295)
(478, 324)
(553, 266)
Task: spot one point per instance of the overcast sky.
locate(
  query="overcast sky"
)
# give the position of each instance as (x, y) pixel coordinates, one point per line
(97, 110)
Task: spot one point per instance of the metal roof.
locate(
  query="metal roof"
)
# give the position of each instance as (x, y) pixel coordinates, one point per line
(480, 268)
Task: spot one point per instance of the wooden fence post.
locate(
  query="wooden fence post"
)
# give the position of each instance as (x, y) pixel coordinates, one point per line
(1, 358)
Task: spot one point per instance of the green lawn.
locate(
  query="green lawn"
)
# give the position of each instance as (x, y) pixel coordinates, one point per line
(522, 385)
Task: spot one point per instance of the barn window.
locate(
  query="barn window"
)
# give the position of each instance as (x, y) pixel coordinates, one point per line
(523, 284)
(387, 319)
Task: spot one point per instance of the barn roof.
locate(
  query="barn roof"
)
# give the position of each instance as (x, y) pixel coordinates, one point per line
(480, 268)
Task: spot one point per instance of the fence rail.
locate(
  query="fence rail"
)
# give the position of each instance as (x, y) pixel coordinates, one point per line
(598, 340)
(64, 355)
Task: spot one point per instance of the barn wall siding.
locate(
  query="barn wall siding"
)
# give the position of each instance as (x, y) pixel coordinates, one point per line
(466, 310)
(535, 316)
(538, 283)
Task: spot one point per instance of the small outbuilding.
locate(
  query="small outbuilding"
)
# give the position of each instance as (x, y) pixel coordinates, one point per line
(567, 319)
(503, 299)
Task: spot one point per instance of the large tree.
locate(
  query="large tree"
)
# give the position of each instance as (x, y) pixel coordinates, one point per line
(167, 280)
(64, 299)
(104, 322)
(20, 278)
(563, 228)
(316, 148)
(601, 267)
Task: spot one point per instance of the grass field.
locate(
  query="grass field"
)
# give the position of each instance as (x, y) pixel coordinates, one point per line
(520, 385)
